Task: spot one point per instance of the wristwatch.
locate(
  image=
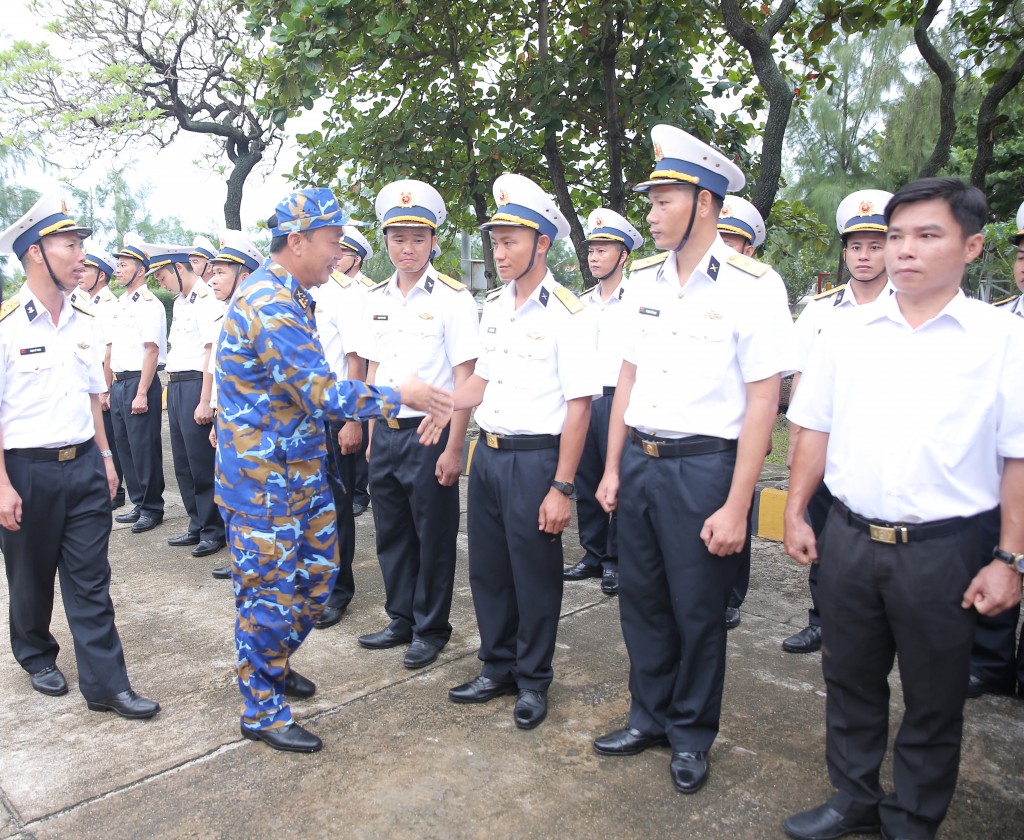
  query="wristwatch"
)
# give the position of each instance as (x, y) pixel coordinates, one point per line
(566, 488)
(106, 453)
(1014, 561)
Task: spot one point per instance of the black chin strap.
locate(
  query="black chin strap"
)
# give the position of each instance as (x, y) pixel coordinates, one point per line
(234, 283)
(623, 250)
(869, 280)
(533, 256)
(90, 290)
(181, 286)
(53, 276)
(689, 227)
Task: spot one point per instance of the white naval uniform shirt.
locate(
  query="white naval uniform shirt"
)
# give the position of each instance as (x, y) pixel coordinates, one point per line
(47, 372)
(194, 324)
(1017, 307)
(819, 314)
(613, 321)
(535, 358)
(427, 332)
(140, 318)
(340, 305)
(919, 420)
(695, 348)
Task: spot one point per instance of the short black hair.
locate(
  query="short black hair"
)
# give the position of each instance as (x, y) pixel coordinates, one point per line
(967, 204)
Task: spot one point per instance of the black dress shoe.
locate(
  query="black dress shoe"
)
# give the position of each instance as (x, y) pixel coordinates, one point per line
(117, 501)
(382, 639)
(131, 516)
(298, 686)
(581, 571)
(207, 547)
(147, 522)
(610, 582)
(49, 681)
(826, 823)
(977, 687)
(732, 618)
(627, 741)
(420, 654)
(480, 690)
(531, 708)
(222, 573)
(689, 771)
(290, 738)
(127, 704)
(807, 640)
(188, 538)
(329, 617)
(358, 509)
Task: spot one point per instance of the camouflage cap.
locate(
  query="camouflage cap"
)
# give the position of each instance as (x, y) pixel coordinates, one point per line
(308, 209)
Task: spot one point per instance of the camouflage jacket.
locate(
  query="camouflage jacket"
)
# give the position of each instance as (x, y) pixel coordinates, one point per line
(275, 390)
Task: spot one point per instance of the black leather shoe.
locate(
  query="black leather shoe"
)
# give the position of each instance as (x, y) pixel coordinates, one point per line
(480, 690)
(290, 738)
(382, 639)
(610, 582)
(207, 547)
(298, 686)
(581, 571)
(807, 640)
(689, 771)
(420, 654)
(49, 681)
(222, 573)
(977, 687)
(358, 509)
(531, 708)
(188, 538)
(147, 522)
(127, 704)
(329, 617)
(627, 741)
(117, 501)
(131, 516)
(826, 823)
(887, 836)
(732, 618)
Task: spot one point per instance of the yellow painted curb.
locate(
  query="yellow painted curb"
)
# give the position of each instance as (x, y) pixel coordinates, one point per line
(769, 514)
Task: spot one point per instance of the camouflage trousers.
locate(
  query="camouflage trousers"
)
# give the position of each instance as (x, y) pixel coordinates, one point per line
(283, 570)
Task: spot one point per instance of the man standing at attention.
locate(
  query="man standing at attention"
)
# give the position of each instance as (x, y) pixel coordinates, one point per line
(422, 323)
(691, 425)
(912, 410)
(274, 391)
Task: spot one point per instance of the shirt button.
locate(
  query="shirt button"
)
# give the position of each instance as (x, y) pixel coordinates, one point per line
(675, 332)
(506, 349)
(499, 382)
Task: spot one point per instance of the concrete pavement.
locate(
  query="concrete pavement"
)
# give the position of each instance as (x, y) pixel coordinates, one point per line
(400, 760)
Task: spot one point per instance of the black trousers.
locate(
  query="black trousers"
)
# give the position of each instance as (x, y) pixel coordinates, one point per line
(598, 530)
(673, 592)
(818, 508)
(137, 437)
(880, 602)
(741, 583)
(417, 523)
(194, 459)
(360, 493)
(108, 427)
(341, 471)
(515, 569)
(65, 530)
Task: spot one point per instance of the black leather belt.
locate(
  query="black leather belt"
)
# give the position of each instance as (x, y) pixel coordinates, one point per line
(608, 391)
(521, 442)
(64, 453)
(183, 375)
(657, 447)
(894, 533)
(400, 423)
(122, 375)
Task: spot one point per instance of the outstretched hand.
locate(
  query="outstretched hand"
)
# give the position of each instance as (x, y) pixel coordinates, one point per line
(437, 402)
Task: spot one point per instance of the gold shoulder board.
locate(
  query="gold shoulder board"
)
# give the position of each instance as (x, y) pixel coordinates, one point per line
(342, 280)
(748, 265)
(451, 282)
(146, 294)
(568, 299)
(636, 265)
(202, 291)
(369, 282)
(75, 304)
(830, 292)
(1002, 302)
(9, 306)
(376, 286)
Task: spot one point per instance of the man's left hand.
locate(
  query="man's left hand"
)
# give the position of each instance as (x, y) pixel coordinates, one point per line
(725, 531)
(994, 589)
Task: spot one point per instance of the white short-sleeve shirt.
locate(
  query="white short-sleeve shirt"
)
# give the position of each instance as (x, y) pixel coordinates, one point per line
(194, 325)
(139, 319)
(340, 309)
(612, 322)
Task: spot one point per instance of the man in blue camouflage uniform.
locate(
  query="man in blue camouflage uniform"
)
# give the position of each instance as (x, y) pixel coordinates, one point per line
(275, 390)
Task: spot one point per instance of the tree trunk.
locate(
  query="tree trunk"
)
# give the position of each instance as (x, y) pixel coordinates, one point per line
(615, 133)
(243, 165)
(947, 87)
(989, 119)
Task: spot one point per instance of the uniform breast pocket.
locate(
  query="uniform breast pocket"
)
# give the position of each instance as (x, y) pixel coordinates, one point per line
(35, 363)
(81, 367)
(427, 332)
(533, 351)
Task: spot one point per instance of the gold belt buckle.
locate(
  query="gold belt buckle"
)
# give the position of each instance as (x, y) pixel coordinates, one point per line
(491, 440)
(888, 534)
(650, 448)
(392, 422)
(67, 453)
